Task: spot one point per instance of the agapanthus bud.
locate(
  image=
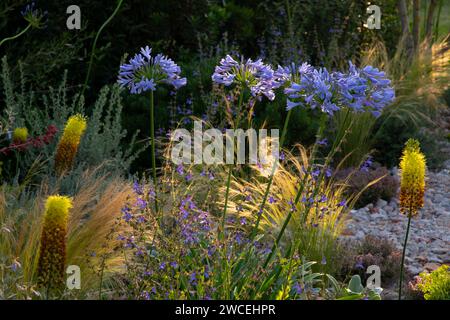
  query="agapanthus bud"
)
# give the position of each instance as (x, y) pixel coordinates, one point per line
(52, 249)
(412, 185)
(68, 145)
(20, 135)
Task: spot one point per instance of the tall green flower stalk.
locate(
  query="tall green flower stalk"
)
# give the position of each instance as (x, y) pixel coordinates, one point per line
(94, 45)
(230, 170)
(143, 73)
(33, 16)
(412, 189)
(153, 149)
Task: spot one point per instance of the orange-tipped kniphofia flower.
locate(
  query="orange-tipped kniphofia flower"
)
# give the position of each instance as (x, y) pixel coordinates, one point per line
(412, 185)
(68, 145)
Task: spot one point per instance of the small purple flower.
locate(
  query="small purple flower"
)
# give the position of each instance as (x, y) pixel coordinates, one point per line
(137, 188)
(324, 260)
(141, 203)
(126, 211)
(315, 173)
(193, 278)
(292, 205)
(298, 288)
(323, 142)
(272, 200)
(180, 170)
(366, 164)
(162, 266)
(342, 203)
(359, 264)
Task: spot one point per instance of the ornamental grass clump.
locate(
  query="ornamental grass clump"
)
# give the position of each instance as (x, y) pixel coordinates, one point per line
(52, 248)
(69, 142)
(412, 189)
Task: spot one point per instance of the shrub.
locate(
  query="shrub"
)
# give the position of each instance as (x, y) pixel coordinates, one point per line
(435, 285)
(357, 257)
(103, 140)
(384, 189)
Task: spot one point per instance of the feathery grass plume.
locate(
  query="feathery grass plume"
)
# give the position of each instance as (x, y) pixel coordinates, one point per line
(68, 145)
(412, 189)
(20, 135)
(412, 184)
(52, 249)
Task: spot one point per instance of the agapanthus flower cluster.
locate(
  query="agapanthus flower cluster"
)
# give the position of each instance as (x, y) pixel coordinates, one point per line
(144, 72)
(365, 89)
(293, 72)
(33, 15)
(316, 89)
(254, 75)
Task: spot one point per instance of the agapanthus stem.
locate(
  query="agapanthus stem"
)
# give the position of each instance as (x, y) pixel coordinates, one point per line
(16, 36)
(297, 198)
(94, 45)
(152, 134)
(403, 258)
(269, 184)
(230, 169)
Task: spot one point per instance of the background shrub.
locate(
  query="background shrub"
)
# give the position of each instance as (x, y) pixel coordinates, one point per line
(384, 189)
(356, 257)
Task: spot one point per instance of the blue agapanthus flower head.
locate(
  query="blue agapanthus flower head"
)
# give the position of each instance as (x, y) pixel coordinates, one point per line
(366, 89)
(315, 88)
(34, 15)
(292, 72)
(254, 75)
(144, 72)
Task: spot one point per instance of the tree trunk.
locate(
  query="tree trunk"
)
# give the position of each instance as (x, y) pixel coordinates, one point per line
(429, 23)
(403, 11)
(407, 38)
(416, 24)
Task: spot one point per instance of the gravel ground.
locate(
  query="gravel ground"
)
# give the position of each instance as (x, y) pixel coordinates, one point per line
(429, 237)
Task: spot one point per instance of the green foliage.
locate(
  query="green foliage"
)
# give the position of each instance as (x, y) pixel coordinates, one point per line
(436, 285)
(103, 143)
(356, 144)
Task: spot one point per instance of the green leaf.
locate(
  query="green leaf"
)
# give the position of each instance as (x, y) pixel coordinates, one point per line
(355, 285)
